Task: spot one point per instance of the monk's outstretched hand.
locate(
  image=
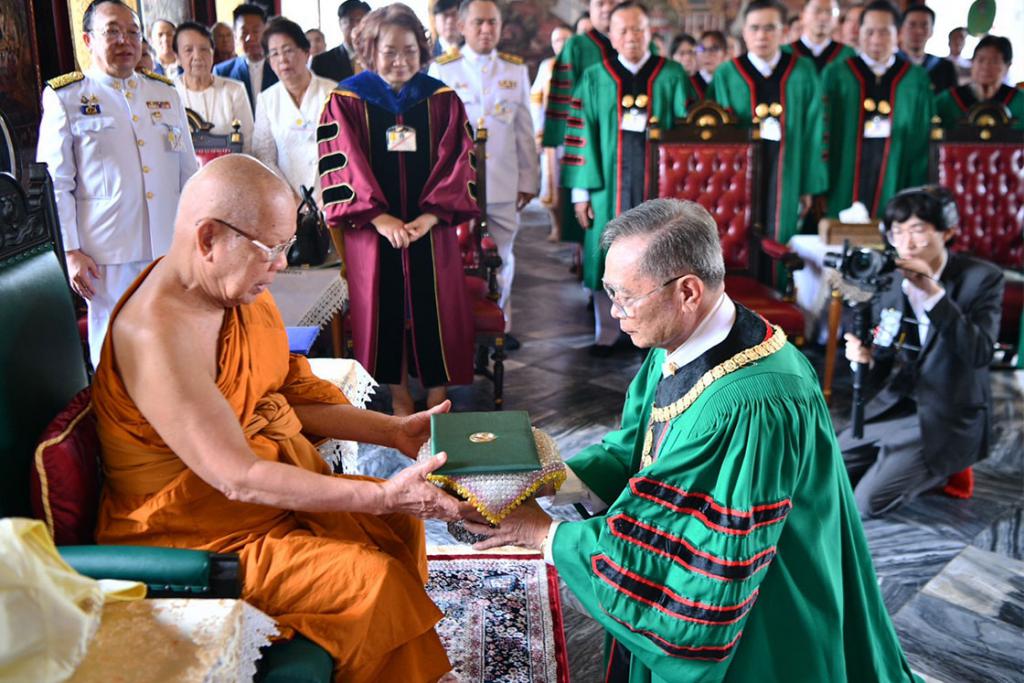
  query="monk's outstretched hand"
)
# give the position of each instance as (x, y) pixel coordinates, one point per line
(414, 430)
(526, 526)
(411, 493)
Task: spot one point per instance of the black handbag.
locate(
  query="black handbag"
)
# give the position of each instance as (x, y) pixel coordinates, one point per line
(311, 237)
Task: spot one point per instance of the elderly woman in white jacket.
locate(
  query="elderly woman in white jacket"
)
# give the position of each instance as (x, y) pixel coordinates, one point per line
(220, 101)
(288, 112)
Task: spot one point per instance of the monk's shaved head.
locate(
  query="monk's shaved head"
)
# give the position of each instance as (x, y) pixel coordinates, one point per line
(242, 191)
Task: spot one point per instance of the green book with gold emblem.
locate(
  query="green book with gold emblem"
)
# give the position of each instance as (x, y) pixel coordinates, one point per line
(484, 443)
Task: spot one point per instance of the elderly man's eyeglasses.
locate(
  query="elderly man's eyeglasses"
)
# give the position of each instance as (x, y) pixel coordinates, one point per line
(625, 305)
(114, 34)
(269, 253)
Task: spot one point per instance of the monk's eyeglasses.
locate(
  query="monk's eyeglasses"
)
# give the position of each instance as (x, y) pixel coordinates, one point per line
(269, 253)
(623, 306)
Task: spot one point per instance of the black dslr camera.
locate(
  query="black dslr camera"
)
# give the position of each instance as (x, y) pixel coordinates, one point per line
(869, 269)
(865, 272)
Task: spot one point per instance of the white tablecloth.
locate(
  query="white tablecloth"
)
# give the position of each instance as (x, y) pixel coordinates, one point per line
(812, 292)
(309, 296)
(179, 640)
(357, 385)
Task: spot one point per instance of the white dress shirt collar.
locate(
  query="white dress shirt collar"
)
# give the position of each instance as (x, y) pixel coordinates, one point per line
(878, 68)
(707, 75)
(634, 68)
(711, 331)
(815, 48)
(474, 56)
(108, 80)
(765, 67)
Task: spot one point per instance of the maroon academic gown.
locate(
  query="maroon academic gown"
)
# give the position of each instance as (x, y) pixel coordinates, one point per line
(409, 299)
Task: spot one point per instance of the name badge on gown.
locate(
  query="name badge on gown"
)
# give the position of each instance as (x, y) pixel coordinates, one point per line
(770, 129)
(401, 139)
(634, 121)
(878, 127)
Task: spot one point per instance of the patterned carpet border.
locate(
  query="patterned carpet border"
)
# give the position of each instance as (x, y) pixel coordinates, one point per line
(503, 617)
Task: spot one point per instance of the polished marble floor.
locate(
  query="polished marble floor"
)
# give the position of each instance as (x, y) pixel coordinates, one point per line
(951, 571)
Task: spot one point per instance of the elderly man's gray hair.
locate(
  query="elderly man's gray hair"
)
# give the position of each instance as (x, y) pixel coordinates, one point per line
(683, 239)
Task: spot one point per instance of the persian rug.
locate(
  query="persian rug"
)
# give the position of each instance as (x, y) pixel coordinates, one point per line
(503, 618)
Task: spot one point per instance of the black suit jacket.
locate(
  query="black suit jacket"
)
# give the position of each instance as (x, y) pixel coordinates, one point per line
(333, 64)
(949, 377)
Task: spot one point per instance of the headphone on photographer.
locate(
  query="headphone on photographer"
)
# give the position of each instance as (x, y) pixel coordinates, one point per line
(949, 214)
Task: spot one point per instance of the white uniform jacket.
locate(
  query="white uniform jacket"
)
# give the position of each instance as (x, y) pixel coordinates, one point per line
(119, 152)
(496, 87)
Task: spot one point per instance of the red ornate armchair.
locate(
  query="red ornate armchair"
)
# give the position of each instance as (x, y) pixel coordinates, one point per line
(481, 262)
(982, 163)
(209, 146)
(715, 162)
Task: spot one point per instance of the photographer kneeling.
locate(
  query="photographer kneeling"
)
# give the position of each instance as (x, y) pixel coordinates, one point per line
(931, 417)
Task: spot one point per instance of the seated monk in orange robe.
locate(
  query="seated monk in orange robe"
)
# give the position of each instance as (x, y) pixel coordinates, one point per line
(202, 413)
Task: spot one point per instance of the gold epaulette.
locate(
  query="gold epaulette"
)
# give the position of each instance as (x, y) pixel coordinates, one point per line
(513, 59)
(449, 57)
(156, 77)
(65, 79)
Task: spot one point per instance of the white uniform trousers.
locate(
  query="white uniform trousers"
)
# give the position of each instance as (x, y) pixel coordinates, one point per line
(114, 280)
(606, 328)
(503, 224)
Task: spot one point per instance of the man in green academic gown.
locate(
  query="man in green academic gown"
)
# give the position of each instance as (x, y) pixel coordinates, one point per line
(605, 161)
(779, 93)
(578, 53)
(992, 59)
(726, 544)
(819, 23)
(878, 110)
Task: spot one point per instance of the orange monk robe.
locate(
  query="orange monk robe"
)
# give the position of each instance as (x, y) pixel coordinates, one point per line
(353, 583)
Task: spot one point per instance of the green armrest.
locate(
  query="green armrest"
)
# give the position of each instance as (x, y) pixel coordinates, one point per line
(298, 660)
(168, 572)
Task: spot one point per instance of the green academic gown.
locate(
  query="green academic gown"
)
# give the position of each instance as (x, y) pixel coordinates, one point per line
(578, 53)
(835, 52)
(796, 162)
(953, 104)
(738, 553)
(603, 158)
(866, 170)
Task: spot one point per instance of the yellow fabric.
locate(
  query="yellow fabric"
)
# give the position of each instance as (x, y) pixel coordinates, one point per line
(352, 583)
(48, 612)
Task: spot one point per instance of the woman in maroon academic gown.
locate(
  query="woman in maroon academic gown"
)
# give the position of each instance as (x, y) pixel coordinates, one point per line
(397, 175)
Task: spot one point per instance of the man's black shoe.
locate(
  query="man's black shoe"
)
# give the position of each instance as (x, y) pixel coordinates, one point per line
(601, 351)
(511, 343)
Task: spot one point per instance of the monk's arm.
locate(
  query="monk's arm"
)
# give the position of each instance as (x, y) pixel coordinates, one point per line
(335, 421)
(173, 385)
(346, 422)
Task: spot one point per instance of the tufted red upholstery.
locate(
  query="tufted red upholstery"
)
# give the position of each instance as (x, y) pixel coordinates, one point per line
(719, 177)
(988, 182)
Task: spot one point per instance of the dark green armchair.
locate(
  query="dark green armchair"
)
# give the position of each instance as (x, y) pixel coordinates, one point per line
(42, 368)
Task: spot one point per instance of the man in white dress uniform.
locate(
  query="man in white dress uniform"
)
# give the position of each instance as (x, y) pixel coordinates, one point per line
(118, 148)
(496, 87)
